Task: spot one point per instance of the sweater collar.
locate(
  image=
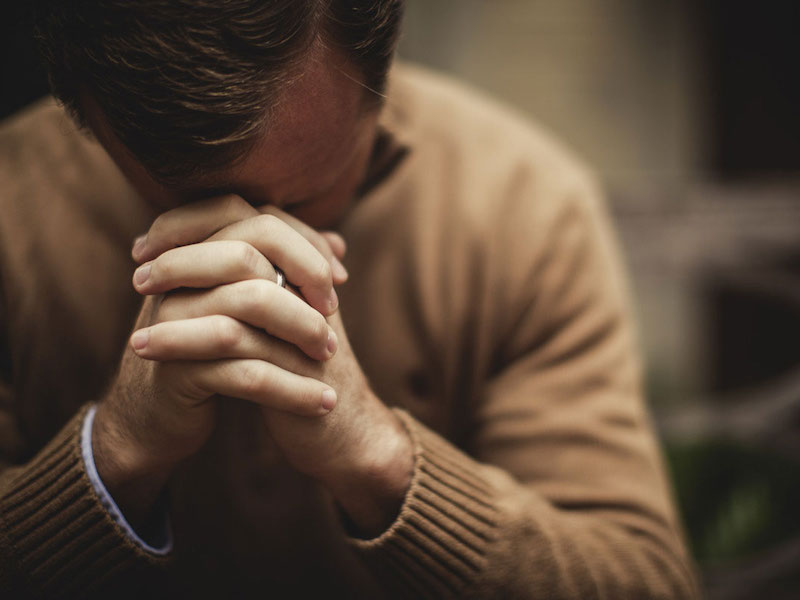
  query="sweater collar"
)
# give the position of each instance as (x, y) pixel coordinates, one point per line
(392, 144)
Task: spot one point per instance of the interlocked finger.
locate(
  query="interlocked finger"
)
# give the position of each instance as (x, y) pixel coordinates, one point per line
(191, 223)
(259, 381)
(261, 304)
(219, 337)
(305, 267)
(330, 244)
(199, 220)
(202, 266)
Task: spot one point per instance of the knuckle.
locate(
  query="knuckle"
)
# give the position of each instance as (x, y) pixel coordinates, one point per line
(320, 243)
(321, 272)
(267, 224)
(252, 380)
(233, 204)
(260, 293)
(319, 331)
(269, 221)
(159, 225)
(227, 332)
(249, 257)
(234, 208)
(162, 230)
(254, 295)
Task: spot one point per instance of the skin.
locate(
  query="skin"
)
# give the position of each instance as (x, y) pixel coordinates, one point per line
(214, 324)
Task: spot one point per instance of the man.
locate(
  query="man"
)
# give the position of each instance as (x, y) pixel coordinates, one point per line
(460, 418)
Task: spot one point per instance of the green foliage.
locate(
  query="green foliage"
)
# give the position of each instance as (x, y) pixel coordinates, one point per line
(736, 500)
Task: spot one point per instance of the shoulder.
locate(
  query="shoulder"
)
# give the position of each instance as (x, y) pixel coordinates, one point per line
(43, 157)
(36, 141)
(502, 161)
(501, 179)
(517, 218)
(53, 175)
(42, 150)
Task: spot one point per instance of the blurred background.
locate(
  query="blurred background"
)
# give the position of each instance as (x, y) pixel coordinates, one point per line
(688, 112)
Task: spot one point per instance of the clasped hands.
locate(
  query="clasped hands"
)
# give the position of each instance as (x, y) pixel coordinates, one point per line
(215, 325)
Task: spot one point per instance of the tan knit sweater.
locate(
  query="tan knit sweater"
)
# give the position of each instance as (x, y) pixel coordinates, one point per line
(486, 302)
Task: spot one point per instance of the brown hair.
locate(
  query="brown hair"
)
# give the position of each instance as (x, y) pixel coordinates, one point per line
(187, 85)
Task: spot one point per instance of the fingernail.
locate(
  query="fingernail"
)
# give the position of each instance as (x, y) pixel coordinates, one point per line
(140, 338)
(142, 274)
(339, 272)
(333, 300)
(328, 400)
(333, 342)
(138, 245)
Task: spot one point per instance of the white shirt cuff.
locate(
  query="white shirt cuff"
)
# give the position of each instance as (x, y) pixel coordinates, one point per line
(161, 541)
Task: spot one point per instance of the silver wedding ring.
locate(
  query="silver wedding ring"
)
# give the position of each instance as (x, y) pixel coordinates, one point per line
(280, 278)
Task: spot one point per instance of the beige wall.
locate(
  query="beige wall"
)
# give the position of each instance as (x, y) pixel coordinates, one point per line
(613, 77)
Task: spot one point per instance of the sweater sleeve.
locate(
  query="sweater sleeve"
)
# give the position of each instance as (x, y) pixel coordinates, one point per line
(559, 490)
(56, 538)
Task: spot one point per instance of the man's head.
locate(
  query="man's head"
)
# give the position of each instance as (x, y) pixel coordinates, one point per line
(192, 89)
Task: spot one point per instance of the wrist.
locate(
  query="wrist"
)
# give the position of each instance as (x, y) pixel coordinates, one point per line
(373, 489)
(133, 479)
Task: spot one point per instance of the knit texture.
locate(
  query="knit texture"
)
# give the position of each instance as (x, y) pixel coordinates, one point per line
(62, 538)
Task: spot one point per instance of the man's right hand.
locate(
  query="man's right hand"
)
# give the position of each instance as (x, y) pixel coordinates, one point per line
(241, 336)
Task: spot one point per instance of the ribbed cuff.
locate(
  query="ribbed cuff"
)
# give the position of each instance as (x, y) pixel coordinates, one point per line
(65, 541)
(439, 541)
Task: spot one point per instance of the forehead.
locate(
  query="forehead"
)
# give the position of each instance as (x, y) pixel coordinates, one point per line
(305, 144)
(311, 129)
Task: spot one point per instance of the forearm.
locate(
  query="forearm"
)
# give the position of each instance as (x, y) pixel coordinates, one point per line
(468, 529)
